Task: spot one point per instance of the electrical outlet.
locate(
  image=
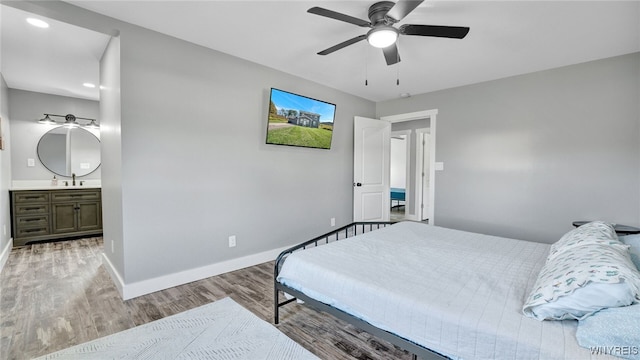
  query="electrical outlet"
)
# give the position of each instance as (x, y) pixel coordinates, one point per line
(232, 241)
(333, 221)
(113, 247)
(4, 229)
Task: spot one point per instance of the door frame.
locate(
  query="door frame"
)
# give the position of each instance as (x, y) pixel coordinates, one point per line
(419, 166)
(418, 115)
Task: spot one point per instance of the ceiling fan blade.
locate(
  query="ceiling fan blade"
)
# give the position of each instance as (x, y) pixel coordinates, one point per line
(391, 54)
(402, 8)
(342, 45)
(338, 16)
(453, 32)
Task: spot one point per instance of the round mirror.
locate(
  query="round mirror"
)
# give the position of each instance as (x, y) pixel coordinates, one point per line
(65, 151)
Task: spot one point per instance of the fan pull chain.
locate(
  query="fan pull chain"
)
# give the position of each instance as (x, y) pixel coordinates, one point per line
(366, 66)
(398, 62)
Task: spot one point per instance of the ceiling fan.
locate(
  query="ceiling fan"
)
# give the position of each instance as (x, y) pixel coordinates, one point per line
(383, 15)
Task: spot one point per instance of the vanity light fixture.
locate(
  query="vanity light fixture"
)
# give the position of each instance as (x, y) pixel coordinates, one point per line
(93, 125)
(70, 120)
(47, 120)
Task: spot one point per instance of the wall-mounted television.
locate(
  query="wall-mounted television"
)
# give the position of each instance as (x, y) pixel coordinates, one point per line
(297, 120)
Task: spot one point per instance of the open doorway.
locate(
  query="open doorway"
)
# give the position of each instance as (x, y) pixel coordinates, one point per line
(399, 173)
(420, 129)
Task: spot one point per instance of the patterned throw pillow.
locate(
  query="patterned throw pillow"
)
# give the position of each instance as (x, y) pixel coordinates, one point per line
(595, 232)
(578, 268)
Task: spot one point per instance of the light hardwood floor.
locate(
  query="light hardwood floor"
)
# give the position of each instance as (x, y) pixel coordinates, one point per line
(55, 295)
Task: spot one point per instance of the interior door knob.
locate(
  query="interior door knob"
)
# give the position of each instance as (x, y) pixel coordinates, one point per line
(357, 184)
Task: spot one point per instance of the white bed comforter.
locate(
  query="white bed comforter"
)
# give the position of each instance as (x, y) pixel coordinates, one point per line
(454, 292)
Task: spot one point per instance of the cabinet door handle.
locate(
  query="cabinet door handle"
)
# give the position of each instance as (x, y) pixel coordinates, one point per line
(76, 208)
(32, 208)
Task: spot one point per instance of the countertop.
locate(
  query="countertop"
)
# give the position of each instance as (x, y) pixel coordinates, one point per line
(46, 185)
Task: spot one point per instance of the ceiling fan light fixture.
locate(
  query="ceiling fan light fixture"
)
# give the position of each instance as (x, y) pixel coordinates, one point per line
(382, 36)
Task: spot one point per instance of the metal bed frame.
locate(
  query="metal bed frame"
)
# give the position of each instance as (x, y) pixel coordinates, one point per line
(351, 230)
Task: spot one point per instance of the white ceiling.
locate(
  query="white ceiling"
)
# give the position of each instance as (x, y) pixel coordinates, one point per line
(506, 38)
(57, 60)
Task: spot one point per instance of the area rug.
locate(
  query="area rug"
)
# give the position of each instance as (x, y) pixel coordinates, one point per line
(219, 330)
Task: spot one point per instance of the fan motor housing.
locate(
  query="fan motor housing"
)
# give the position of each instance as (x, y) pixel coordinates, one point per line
(379, 10)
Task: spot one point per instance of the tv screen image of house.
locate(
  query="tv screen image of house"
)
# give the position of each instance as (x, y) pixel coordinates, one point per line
(297, 120)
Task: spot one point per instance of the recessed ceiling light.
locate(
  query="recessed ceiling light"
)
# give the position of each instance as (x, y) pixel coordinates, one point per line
(38, 23)
(89, 85)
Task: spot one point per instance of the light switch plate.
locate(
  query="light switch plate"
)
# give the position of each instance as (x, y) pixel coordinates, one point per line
(31, 162)
(438, 166)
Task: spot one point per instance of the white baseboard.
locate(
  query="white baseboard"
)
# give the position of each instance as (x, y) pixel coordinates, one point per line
(139, 288)
(4, 256)
(115, 275)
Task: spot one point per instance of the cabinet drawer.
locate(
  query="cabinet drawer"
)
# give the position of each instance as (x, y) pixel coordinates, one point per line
(31, 197)
(61, 196)
(32, 221)
(34, 231)
(31, 209)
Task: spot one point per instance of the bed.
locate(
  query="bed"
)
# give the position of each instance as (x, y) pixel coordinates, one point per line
(435, 292)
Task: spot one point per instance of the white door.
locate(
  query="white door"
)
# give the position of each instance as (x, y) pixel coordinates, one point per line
(371, 168)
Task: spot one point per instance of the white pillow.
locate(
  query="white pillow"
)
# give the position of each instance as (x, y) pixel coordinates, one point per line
(555, 295)
(633, 241)
(585, 301)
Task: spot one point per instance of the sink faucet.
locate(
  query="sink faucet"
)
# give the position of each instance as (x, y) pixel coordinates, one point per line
(73, 176)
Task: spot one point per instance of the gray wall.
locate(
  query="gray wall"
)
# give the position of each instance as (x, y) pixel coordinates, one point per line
(196, 168)
(25, 108)
(5, 168)
(525, 156)
(111, 143)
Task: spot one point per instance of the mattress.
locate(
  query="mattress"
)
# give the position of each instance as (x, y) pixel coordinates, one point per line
(454, 292)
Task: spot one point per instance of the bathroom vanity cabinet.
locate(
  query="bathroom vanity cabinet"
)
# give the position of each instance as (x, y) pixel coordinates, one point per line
(55, 214)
